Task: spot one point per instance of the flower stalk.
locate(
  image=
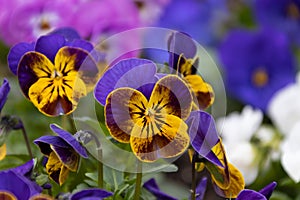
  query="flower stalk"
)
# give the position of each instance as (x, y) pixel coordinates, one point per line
(138, 181)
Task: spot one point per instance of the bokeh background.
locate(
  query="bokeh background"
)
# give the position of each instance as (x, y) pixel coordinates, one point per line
(254, 43)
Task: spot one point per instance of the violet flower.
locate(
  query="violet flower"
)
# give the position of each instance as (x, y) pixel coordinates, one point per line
(4, 129)
(63, 153)
(55, 71)
(257, 67)
(20, 177)
(283, 16)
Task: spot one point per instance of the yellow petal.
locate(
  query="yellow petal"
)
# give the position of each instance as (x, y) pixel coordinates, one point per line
(75, 62)
(187, 66)
(202, 91)
(124, 107)
(199, 166)
(41, 197)
(2, 151)
(171, 96)
(56, 170)
(41, 66)
(171, 141)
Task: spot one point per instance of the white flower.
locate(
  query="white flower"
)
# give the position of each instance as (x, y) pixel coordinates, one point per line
(236, 130)
(290, 159)
(284, 107)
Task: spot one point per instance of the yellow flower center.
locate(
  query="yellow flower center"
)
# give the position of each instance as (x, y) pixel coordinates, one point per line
(293, 11)
(260, 77)
(7, 195)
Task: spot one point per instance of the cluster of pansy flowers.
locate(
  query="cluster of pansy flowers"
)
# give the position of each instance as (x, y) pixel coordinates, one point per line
(160, 115)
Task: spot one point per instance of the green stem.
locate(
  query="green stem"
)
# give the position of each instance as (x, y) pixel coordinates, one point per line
(138, 181)
(193, 189)
(27, 141)
(100, 168)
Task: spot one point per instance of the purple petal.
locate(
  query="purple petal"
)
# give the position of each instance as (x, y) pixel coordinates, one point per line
(250, 195)
(93, 193)
(4, 90)
(44, 143)
(201, 188)
(180, 43)
(83, 44)
(268, 190)
(132, 73)
(203, 134)
(49, 45)
(25, 168)
(69, 34)
(152, 187)
(68, 137)
(15, 54)
(24, 190)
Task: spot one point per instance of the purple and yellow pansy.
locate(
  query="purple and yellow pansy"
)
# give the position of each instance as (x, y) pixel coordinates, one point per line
(227, 179)
(183, 59)
(4, 90)
(63, 153)
(144, 110)
(55, 71)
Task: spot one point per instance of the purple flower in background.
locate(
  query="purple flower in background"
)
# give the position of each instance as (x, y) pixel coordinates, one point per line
(263, 194)
(91, 194)
(15, 183)
(28, 21)
(284, 15)
(63, 153)
(152, 187)
(200, 19)
(256, 65)
(4, 90)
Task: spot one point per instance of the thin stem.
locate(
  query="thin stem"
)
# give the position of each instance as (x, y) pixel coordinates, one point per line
(193, 189)
(100, 168)
(138, 181)
(27, 141)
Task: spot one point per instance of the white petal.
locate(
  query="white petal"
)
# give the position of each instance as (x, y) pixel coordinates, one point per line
(290, 153)
(284, 108)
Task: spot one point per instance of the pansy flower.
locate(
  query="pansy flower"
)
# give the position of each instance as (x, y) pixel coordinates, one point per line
(227, 179)
(54, 72)
(263, 194)
(18, 177)
(184, 61)
(257, 67)
(4, 90)
(145, 111)
(63, 153)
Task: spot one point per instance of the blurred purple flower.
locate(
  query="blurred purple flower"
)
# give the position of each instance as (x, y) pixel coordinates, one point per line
(28, 21)
(4, 90)
(19, 177)
(152, 187)
(256, 65)
(263, 194)
(284, 15)
(201, 19)
(63, 152)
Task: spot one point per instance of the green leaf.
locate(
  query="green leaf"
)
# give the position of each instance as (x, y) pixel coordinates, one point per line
(11, 161)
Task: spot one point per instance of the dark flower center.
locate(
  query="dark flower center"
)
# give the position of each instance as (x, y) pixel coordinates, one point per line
(260, 77)
(293, 11)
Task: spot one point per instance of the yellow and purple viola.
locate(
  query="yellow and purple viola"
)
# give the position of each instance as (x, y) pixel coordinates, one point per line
(15, 183)
(183, 59)
(55, 71)
(4, 90)
(63, 153)
(227, 179)
(145, 109)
